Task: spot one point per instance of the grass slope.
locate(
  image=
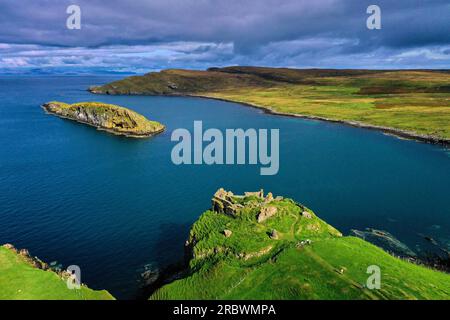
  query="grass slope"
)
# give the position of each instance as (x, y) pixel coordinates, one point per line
(251, 265)
(19, 280)
(416, 101)
(112, 118)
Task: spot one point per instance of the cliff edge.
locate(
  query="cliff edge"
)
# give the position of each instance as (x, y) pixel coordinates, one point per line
(257, 246)
(23, 277)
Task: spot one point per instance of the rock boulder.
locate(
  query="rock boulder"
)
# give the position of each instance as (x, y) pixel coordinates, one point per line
(266, 212)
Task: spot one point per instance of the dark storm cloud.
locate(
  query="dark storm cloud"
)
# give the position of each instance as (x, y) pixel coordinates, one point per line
(198, 33)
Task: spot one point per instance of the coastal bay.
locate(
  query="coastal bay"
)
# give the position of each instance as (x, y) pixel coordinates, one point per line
(117, 207)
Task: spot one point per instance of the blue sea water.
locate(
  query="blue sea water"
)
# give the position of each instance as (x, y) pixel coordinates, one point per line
(113, 205)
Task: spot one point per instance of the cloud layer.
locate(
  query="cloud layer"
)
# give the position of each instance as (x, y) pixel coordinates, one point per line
(155, 34)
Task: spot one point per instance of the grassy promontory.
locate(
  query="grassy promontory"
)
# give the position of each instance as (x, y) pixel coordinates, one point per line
(108, 117)
(408, 103)
(256, 247)
(25, 278)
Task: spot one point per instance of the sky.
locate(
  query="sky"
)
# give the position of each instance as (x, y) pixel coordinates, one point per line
(149, 35)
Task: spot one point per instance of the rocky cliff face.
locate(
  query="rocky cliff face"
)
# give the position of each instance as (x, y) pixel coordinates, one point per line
(107, 117)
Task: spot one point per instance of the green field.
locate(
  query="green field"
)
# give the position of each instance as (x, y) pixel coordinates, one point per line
(19, 280)
(249, 264)
(416, 101)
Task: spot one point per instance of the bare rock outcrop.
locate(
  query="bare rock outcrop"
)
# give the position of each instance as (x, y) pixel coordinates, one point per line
(34, 261)
(306, 215)
(227, 233)
(274, 235)
(386, 241)
(266, 212)
(223, 202)
(259, 194)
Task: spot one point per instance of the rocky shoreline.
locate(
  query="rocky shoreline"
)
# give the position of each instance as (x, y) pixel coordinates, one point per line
(35, 261)
(387, 130)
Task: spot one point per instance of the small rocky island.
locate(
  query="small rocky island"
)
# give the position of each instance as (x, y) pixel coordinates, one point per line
(111, 118)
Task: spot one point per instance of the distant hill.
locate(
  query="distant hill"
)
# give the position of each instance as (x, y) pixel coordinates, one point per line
(409, 103)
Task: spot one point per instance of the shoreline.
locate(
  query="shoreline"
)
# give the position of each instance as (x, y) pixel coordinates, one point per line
(398, 133)
(116, 133)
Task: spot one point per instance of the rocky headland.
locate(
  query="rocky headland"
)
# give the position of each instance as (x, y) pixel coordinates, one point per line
(260, 246)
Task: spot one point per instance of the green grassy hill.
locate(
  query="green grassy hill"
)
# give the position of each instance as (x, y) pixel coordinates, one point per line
(414, 101)
(20, 279)
(108, 117)
(233, 256)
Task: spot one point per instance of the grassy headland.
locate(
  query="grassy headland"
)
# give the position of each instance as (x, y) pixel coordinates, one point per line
(108, 117)
(26, 278)
(253, 247)
(256, 247)
(409, 103)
